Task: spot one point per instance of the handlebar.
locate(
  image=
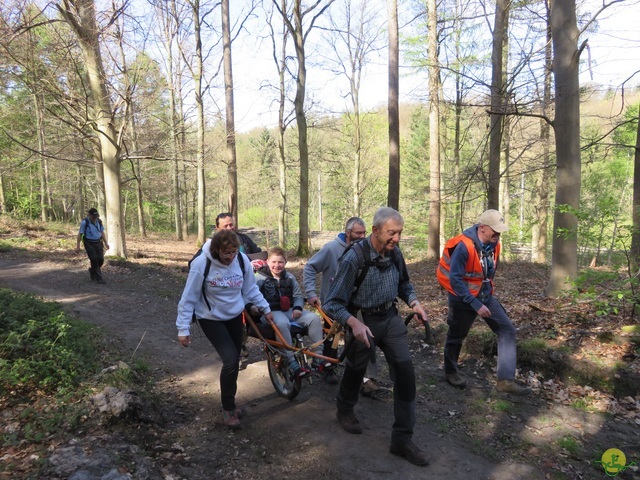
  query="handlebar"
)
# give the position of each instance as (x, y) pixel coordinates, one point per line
(428, 334)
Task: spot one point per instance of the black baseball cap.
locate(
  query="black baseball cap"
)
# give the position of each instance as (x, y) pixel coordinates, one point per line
(93, 211)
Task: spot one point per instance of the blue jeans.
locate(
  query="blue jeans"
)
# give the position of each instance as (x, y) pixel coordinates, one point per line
(308, 319)
(226, 338)
(390, 334)
(461, 317)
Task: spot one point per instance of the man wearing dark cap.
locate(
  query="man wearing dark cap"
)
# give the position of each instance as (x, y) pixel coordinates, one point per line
(466, 271)
(93, 237)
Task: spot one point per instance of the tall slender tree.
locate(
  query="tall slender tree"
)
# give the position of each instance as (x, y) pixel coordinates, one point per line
(541, 187)
(197, 71)
(232, 166)
(393, 196)
(294, 22)
(433, 248)
(564, 32)
(500, 33)
(280, 60)
(635, 235)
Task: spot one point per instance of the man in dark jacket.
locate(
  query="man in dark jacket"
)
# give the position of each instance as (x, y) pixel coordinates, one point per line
(225, 221)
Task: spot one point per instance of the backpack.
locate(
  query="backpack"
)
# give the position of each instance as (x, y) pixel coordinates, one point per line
(206, 273)
(363, 252)
(86, 222)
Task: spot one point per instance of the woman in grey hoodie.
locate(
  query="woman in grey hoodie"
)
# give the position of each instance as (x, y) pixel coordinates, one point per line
(217, 290)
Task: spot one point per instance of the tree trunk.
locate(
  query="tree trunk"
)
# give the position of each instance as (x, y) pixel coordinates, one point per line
(458, 223)
(635, 236)
(281, 65)
(500, 31)
(357, 138)
(232, 168)
(135, 167)
(303, 147)
(44, 169)
(176, 103)
(131, 121)
(197, 78)
(541, 188)
(3, 197)
(564, 259)
(393, 196)
(80, 15)
(433, 249)
(181, 145)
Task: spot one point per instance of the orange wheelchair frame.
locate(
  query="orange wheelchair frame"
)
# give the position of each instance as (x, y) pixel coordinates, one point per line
(283, 382)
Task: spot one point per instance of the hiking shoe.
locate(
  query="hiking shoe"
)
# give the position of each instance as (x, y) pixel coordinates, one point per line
(455, 380)
(100, 280)
(349, 422)
(230, 419)
(319, 366)
(239, 412)
(510, 386)
(369, 387)
(411, 452)
(330, 377)
(296, 371)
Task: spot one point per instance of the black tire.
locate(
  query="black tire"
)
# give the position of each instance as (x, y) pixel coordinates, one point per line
(279, 374)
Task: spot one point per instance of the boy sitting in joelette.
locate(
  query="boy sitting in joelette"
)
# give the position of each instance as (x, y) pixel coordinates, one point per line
(281, 289)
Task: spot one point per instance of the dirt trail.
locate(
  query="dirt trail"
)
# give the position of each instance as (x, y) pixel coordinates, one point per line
(279, 439)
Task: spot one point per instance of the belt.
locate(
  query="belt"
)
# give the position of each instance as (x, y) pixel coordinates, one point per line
(379, 309)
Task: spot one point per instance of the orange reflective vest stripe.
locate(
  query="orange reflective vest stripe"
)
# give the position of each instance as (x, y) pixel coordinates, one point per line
(473, 275)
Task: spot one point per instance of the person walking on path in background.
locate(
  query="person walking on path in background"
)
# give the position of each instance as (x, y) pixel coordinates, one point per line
(375, 298)
(466, 270)
(325, 263)
(224, 221)
(217, 289)
(93, 237)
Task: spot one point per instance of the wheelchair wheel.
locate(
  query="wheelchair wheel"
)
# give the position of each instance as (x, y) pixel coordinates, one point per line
(279, 374)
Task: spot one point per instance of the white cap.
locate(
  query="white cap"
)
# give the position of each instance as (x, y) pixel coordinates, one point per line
(493, 219)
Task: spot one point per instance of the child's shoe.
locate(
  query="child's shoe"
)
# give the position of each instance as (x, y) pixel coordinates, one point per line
(296, 370)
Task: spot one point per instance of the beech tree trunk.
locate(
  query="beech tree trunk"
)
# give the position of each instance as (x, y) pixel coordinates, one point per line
(564, 259)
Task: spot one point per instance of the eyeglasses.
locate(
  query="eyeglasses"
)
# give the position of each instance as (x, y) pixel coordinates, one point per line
(358, 234)
(228, 255)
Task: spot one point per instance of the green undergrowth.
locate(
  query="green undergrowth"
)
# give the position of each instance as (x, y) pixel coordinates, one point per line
(50, 364)
(41, 348)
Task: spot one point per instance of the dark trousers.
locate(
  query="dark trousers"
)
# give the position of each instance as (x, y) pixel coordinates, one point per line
(460, 319)
(390, 334)
(226, 338)
(95, 252)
